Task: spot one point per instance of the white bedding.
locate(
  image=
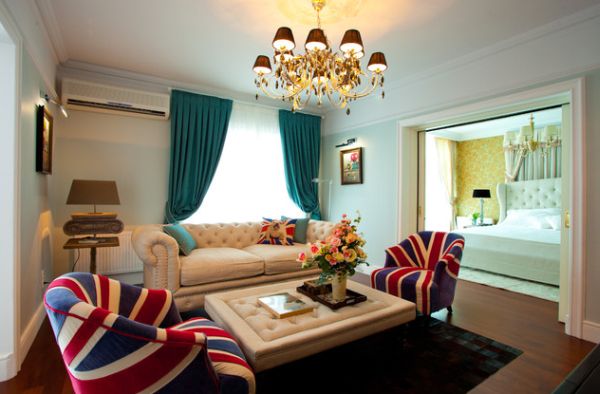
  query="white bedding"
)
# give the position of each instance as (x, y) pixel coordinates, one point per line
(532, 254)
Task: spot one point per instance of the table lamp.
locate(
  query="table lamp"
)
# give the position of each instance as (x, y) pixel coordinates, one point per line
(481, 194)
(93, 192)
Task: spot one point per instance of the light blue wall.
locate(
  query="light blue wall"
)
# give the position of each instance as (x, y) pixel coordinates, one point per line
(376, 198)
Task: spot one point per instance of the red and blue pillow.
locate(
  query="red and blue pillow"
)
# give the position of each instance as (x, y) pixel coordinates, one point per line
(277, 232)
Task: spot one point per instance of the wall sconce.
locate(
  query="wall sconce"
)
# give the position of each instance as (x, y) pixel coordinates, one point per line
(349, 141)
(49, 99)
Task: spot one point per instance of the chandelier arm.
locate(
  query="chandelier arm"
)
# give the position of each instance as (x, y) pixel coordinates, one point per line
(340, 103)
(367, 91)
(275, 95)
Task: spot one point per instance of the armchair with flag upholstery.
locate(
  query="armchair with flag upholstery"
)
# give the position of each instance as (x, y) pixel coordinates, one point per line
(423, 269)
(118, 338)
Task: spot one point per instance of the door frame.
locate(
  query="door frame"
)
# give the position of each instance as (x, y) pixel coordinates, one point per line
(574, 92)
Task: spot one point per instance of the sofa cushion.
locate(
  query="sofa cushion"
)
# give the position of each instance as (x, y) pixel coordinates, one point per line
(277, 232)
(279, 259)
(184, 239)
(208, 265)
(301, 228)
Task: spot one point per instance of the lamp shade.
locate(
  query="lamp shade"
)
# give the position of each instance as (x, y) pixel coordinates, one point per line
(481, 193)
(316, 40)
(351, 42)
(284, 39)
(93, 192)
(377, 62)
(262, 65)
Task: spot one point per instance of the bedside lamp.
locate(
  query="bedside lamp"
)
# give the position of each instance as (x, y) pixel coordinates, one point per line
(481, 194)
(93, 192)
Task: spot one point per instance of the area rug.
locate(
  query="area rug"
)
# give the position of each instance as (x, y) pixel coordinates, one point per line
(427, 356)
(539, 290)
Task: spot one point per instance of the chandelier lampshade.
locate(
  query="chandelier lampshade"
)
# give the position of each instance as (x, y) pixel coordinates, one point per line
(316, 40)
(262, 65)
(284, 40)
(319, 72)
(377, 62)
(351, 42)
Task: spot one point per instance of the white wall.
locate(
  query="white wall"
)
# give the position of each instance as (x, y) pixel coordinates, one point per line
(132, 151)
(8, 164)
(568, 49)
(36, 218)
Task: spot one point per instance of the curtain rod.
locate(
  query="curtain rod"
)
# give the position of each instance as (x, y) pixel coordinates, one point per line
(493, 118)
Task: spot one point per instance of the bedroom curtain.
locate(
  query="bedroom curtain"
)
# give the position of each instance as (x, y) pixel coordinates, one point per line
(446, 152)
(198, 129)
(301, 144)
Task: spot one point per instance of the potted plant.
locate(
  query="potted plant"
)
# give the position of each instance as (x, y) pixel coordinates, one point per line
(337, 256)
(475, 216)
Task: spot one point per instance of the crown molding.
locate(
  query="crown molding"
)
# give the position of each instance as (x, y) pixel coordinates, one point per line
(501, 46)
(45, 13)
(101, 74)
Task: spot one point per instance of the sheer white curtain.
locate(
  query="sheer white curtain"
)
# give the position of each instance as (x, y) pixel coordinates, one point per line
(250, 182)
(438, 209)
(446, 152)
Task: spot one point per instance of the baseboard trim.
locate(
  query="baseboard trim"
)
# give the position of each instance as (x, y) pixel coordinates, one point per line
(591, 331)
(31, 331)
(8, 366)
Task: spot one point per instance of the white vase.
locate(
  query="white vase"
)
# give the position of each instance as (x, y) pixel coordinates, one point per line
(338, 286)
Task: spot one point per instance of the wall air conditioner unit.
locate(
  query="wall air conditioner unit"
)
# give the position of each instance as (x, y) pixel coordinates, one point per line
(96, 97)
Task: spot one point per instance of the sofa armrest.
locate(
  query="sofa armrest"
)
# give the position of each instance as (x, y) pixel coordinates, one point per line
(160, 254)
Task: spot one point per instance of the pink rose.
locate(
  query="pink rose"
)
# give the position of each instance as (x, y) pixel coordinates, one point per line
(314, 249)
(335, 241)
(302, 257)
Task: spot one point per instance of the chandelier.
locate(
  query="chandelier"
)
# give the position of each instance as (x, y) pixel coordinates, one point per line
(319, 72)
(529, 140)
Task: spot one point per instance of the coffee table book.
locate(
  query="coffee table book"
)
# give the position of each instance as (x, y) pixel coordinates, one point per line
(284, 305)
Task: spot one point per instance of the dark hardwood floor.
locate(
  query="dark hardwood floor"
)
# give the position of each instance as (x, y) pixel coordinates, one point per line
(517, 320)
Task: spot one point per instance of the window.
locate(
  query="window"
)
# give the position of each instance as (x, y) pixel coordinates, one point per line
(249, 183)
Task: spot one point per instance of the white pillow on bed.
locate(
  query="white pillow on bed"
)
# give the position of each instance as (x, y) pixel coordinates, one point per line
(554, 221)
(530, 218)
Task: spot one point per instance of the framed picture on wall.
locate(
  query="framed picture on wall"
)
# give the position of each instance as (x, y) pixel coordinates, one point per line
(43, 154)
(351, 166)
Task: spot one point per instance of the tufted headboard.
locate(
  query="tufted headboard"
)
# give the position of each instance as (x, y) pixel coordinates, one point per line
(539, 193)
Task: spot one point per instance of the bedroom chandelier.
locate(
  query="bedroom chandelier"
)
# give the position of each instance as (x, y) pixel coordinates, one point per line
(319, 71)
(529, 144)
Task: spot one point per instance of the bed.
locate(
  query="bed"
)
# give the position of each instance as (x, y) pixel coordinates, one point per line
(526, 242)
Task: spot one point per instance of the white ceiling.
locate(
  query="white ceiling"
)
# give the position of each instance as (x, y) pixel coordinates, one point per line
(212, 44)
(496, 127)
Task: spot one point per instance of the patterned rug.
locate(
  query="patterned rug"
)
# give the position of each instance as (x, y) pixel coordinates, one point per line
(423, 357)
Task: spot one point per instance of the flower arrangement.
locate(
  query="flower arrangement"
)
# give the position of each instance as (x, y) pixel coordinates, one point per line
(340, 253)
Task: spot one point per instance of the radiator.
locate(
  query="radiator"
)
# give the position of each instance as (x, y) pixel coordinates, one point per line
(109, 261)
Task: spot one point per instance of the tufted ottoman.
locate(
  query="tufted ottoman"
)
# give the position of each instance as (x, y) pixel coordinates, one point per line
(268, 342)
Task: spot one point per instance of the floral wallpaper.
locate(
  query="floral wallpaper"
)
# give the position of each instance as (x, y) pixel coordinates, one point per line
(480, 165)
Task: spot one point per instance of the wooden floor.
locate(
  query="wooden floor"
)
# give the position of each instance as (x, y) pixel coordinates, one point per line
(517, 320)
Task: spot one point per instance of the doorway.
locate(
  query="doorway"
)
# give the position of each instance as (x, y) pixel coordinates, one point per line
(571, 91)
(8, 201)
(497, 182)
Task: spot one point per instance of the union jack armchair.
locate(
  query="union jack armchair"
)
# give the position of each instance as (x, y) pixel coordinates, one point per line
(118, 338)
(423, 269)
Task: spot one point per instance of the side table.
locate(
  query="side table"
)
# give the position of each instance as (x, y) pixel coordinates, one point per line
(92, 244)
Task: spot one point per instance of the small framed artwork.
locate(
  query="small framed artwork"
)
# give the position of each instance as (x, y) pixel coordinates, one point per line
(351, 166)
(43, 154)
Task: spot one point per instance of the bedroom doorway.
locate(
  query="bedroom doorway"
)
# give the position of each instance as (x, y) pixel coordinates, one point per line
(497, 180)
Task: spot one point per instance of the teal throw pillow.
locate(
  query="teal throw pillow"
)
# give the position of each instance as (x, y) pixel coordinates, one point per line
(301, 229)
(186, 242)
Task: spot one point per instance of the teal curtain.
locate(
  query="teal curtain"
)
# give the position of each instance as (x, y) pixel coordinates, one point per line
(301, 142)
(198, 129)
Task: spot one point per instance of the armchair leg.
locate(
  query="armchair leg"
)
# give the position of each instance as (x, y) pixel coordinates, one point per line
(449, 309)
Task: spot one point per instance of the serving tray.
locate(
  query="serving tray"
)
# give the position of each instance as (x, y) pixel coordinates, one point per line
(322, 294)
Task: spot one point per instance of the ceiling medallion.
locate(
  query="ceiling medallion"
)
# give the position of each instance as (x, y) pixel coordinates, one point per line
(319, 71)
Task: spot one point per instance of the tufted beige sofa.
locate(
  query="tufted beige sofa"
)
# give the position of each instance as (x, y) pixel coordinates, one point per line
(227, 257)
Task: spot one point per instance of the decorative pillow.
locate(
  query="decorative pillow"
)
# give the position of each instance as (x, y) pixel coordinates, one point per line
(301, 229)
(530, 218)
(186, 242)
(554, 221)
(277, 232)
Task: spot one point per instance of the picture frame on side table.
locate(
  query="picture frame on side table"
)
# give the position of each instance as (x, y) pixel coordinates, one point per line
(44, 139)
(351, 166)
